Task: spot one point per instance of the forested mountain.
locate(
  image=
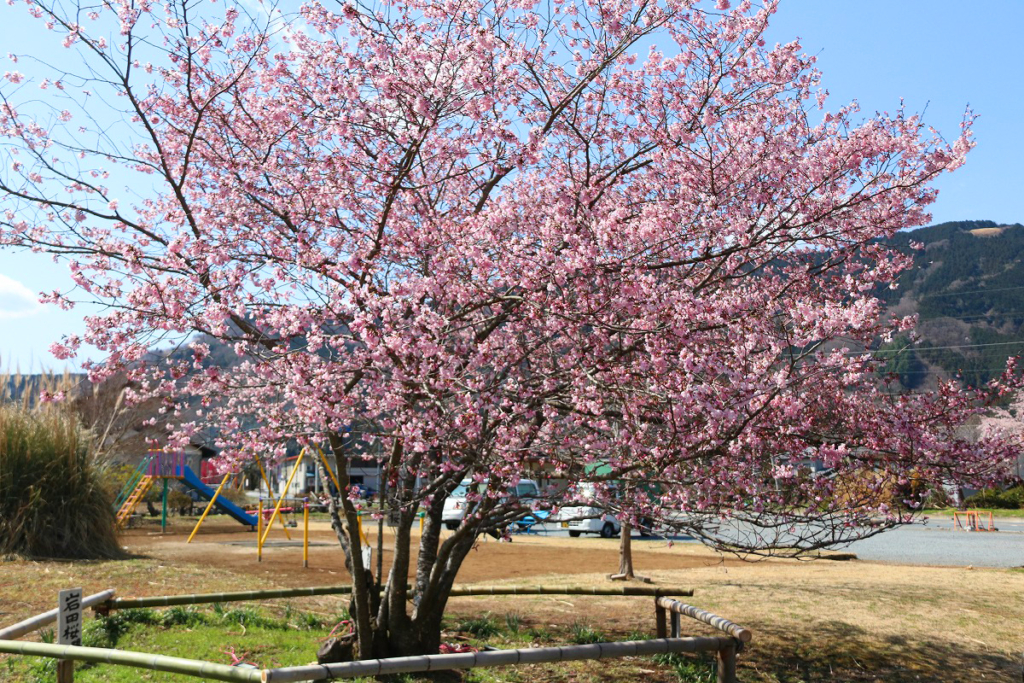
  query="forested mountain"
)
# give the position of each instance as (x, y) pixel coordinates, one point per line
(967, 286)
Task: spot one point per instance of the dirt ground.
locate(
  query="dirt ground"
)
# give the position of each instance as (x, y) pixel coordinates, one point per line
(227, 545)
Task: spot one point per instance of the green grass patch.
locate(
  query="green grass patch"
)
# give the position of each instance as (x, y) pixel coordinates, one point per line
(947, 513)
(482, 627)
(700, 668)
(211, 634)
(583, 633)
(513, 622)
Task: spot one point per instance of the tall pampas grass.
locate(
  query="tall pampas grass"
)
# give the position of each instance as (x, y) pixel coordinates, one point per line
(53, 502)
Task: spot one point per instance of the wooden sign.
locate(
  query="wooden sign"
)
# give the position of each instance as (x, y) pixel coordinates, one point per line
(69, 629)
(69, 617)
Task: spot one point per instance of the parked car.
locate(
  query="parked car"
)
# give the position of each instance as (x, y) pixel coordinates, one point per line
(588, 517)
(365, 492)
(456, 504)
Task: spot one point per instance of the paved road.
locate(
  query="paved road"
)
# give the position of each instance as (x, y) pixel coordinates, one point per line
(934, 542)
(937, 543)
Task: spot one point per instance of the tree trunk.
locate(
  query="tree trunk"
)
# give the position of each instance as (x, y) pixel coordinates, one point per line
(365, 591)
(626, 556)
(626, 552)
(389, 622)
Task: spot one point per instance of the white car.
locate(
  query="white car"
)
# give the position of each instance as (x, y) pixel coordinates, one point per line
(588, 519)
(455, 505)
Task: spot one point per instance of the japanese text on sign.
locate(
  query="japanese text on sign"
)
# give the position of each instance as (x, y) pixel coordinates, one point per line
(69, 617)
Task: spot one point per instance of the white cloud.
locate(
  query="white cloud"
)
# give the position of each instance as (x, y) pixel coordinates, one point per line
(16, 300)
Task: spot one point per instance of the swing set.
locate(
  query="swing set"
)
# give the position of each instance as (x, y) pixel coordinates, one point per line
(265, 517)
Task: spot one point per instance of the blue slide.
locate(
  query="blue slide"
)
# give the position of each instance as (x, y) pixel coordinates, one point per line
(189, 478)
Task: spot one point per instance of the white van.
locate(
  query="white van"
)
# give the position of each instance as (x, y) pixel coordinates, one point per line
(455, 505)
(588, 518)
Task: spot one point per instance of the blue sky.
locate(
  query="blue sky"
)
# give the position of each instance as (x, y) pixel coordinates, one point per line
(938, 55)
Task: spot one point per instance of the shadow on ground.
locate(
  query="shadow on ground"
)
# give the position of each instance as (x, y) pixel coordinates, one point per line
(838, 651)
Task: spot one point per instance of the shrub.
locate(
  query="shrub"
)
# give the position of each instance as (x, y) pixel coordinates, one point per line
(183, 616)
(250, 617)
(53, 502)
(309, 622)
(1009, 499)
(107, 631)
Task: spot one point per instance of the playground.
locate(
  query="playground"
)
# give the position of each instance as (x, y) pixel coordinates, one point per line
(824, 620)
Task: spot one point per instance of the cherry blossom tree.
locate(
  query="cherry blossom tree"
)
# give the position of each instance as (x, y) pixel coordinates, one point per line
(1005, 422)
(502, 237)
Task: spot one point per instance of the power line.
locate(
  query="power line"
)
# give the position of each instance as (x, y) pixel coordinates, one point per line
(942, 369)
(975, 316)
(939, 348)
(975, 291)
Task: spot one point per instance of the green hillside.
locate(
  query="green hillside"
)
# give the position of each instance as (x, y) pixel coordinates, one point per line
(967, 286)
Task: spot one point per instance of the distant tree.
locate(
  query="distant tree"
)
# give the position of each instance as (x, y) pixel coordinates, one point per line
(500, 236)
(901, 360)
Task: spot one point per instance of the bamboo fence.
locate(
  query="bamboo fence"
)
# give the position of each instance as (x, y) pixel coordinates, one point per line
(676, 608)
(492, 658)
(457, 591)
(137, 660)
(646, 591)
(725, 646)
(15, 631)
(235, 596)
(370, 667)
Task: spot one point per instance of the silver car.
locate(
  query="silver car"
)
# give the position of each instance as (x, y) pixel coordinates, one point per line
(455, 505)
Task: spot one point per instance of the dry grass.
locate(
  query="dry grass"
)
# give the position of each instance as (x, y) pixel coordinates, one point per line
(986, 232)
(830, 621)
(53, 502)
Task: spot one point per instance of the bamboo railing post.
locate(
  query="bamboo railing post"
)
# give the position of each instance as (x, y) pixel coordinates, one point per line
(659, 620)
(65, 671)
(674, 616)
(727, 663)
